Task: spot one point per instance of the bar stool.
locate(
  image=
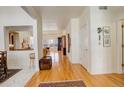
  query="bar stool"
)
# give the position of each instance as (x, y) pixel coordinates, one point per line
(32, 58)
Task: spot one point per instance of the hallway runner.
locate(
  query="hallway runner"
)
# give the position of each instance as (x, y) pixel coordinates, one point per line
(67, 83)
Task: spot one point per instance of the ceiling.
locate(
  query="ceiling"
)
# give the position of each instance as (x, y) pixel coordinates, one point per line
(116, 9)
(57, 17)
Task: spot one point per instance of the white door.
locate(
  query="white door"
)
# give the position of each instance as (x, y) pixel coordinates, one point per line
(84, 46)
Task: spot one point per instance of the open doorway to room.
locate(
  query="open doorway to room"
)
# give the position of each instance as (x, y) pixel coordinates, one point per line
(122, 29)
(19, 44)
(19, 55)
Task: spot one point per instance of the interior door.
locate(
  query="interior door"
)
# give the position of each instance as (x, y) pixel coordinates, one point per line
(84, 46)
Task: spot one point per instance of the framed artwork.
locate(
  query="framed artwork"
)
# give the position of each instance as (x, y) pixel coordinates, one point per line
(106, 42)
(106, 31)
(69, 43)
(106, 36)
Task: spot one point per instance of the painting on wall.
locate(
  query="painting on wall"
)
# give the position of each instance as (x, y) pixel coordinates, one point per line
(69, 43)
(106, 31)
(106, 42)
(106, 36)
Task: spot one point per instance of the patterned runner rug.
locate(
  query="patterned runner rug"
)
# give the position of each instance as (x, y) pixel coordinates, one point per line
(67, 83)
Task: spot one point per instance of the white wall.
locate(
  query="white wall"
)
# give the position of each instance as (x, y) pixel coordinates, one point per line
(102, 58)
(75, 40)
(18, 59)
(2, 45)
(73, 30)
(11, 16)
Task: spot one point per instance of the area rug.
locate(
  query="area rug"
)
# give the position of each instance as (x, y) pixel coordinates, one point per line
(10, 72)
(67, 83)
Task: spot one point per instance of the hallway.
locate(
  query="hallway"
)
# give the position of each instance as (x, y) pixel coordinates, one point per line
(89, 36)
(64, 70)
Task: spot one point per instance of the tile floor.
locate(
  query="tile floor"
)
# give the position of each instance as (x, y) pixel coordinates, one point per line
(19, 79)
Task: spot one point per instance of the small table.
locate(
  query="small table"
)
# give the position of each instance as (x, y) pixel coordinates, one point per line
(45, 63)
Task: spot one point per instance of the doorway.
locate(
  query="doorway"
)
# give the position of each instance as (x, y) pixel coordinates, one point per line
(19, 43)
(122, 64)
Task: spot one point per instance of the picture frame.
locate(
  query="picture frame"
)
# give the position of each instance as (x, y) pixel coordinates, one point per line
(106, 42)
(106, 31)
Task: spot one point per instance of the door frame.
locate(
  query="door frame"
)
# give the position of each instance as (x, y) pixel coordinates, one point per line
(118, 64)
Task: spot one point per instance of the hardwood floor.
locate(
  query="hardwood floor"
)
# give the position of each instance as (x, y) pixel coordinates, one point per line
(64, 70)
